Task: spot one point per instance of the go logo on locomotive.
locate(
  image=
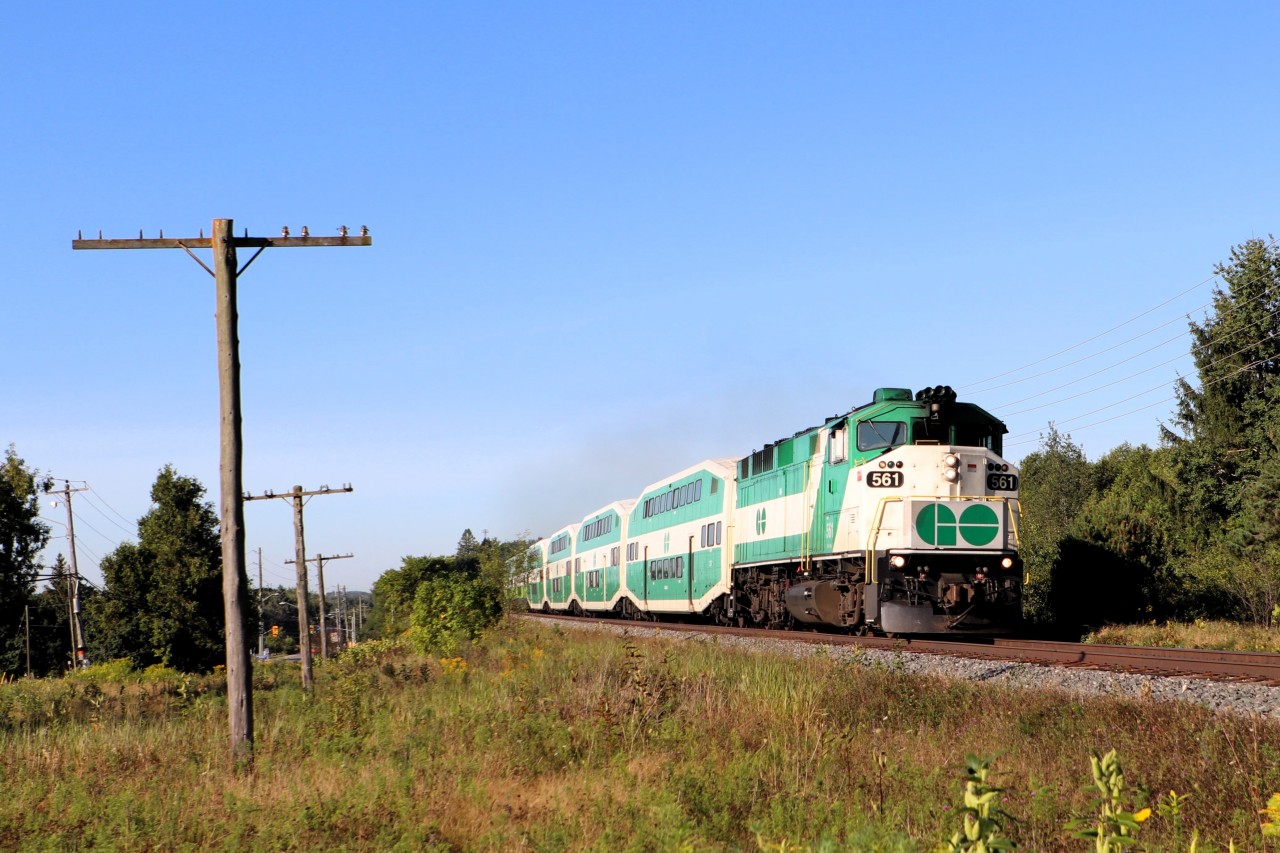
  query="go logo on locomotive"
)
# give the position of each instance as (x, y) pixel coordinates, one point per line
(937, 525)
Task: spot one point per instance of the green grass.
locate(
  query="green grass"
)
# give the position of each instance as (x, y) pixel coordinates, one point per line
(538, 739)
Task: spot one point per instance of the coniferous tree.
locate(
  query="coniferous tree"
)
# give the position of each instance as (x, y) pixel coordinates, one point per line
(1226, 446)
(1228, 428)
(467, 545)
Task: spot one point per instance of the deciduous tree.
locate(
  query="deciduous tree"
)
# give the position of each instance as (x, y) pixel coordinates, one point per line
(163, 601)
(22, 537)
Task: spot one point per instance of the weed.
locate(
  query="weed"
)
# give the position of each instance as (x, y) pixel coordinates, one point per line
(1114, 828)
(982, 829)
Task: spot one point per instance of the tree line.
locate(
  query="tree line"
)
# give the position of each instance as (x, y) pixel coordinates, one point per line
(161, 598)
(1190, 528)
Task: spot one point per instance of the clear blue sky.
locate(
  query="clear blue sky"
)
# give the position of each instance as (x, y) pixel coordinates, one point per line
(610, 239)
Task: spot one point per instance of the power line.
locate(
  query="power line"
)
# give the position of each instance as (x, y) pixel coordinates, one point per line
(1233, 310)
(1154, 388)
(970, 391)
(1093, 338)
(93, 503)
(1135, 375)
(109, 506)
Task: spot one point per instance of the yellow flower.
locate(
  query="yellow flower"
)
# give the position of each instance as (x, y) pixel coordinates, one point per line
(1142, 815)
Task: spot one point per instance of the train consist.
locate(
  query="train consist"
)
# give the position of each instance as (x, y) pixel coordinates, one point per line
(898, 517)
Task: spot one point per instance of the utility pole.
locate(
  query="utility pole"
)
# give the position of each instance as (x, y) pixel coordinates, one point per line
(324, 630)
(235, 581)
(262, 629)
(342, 613)
(300, 560)
(348, 618)
(73, 581)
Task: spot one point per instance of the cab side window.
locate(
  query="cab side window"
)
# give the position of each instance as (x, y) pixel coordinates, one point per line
(838, 444)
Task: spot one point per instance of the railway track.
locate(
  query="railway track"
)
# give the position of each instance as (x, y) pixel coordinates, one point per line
(1253, 667)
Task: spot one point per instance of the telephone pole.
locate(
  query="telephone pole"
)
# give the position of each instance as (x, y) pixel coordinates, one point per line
(73, 581)
(235, 580)
(262, 629)
(324, 631)
(300, 560)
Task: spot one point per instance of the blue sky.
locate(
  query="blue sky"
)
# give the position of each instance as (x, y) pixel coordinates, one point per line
(609, 239)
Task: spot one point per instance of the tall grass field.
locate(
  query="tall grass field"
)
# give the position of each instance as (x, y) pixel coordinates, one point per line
(549, 740)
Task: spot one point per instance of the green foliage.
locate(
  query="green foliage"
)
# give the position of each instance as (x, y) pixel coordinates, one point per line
(981, 830)
(1271, 817)
(1170, 807)
(1251, 575)
(22, 536)
(452, 608)
(1057, 482)
(394, 592)
(463, 593)
(1125, 541)
(1226, 446)
(1114, 827)
(119, 670)
(163, 601)
(1231, 422)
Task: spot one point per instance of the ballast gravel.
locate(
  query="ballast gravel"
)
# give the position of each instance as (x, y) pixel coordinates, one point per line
(1239, 698)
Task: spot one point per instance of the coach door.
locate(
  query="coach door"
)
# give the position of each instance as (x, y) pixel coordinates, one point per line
(689, 573)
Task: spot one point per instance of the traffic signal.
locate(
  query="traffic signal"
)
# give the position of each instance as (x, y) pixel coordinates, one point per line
(275, 630)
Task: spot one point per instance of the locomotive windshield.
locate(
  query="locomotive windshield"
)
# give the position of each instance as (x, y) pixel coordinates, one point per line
(873, 435)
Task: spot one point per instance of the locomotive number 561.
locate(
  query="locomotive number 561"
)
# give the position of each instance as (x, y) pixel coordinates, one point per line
(884, 479)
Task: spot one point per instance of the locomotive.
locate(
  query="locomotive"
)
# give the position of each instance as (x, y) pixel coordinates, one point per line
(897, 517)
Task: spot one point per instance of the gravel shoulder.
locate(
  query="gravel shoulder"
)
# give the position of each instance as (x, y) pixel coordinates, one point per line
(1242, 699)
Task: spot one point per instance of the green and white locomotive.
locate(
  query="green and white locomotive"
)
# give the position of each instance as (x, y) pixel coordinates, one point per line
(899, 517)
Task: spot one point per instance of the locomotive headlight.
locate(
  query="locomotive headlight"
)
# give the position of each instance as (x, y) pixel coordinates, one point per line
(1007, 563)
(951, 475)
(951, 460)
(897, 561)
